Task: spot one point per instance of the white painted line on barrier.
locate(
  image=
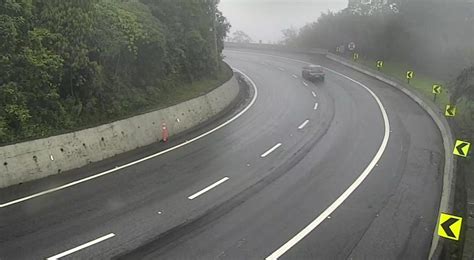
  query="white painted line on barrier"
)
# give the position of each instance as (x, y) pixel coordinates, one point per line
(208, 188)
(315, 106)
(338, 202)
(145, 158)
(314, 94)
(303, 124)
(270, 150)
(88, 244)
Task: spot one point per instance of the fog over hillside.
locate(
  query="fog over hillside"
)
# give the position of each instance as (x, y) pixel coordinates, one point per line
(264, 19)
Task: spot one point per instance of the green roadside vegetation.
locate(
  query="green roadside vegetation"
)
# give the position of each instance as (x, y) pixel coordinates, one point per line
(166, 98)
(69, 64)
(423, 84)
(190, 90)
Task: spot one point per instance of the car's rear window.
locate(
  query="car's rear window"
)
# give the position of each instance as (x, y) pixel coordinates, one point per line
(314, 68)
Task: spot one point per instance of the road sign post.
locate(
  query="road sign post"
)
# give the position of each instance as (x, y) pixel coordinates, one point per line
(436, 91)
(379, 65)
(351, 46)
(450, 111)
(356, 56)
(449, 226)
(461, 148)
(410, 75)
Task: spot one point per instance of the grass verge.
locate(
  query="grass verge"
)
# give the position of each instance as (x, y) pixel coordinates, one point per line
(192, 90)
(423, 84)
(462, 124)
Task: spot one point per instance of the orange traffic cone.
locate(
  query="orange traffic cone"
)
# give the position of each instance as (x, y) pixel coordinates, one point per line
(164, 133)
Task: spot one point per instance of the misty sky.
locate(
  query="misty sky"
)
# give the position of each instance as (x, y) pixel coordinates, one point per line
(264, 19)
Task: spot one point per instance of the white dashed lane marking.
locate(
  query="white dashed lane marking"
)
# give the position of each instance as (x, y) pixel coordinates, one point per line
(88, 244)
(208, 188)
(270, 150)
(303, 124)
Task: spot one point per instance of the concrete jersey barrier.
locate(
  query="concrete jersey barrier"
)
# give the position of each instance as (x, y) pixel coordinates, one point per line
(27, 161)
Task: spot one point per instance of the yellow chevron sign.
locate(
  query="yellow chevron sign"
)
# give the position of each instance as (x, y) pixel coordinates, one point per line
(356, 56)
(450, 111)
(461, 148)
(380, 64)
(436, 89)
(449, 226)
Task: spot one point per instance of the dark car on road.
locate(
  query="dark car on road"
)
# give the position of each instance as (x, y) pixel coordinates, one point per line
(313, 73)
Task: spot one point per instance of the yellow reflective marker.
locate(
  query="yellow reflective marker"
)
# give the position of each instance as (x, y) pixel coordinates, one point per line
(436, 89)
(379, 64)
(461, 148)
(356, 56)
(410, 74)
(449, 226)
(450, 111)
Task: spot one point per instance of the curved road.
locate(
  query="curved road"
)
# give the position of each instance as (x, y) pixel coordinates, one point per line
(348, 168)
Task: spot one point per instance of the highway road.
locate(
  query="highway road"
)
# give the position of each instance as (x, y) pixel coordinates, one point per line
(346, 168)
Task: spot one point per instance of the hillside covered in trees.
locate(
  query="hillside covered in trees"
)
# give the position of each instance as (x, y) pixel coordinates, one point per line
(65, 64)
(435, 36)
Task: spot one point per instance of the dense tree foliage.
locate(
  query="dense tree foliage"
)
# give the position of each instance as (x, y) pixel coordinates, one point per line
(464, 83)
(67, 63)
(240, 37)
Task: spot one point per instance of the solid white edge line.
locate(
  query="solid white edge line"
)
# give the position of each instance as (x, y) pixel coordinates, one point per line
(270, 150)
(328, 211)
(88, 244)
(303, 124)
(145, 158)
(208, 188)
(314, 94)
(315, 106)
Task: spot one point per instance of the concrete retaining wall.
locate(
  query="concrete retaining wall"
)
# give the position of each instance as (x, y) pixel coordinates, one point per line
(36, 159)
